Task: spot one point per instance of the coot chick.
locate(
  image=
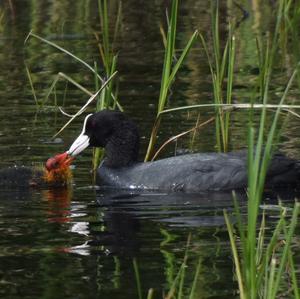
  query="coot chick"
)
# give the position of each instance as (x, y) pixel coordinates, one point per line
(118, 135)
(56, 173)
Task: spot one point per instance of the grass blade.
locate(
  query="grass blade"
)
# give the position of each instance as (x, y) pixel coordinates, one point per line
(31, 85)
(284, 257)
(86, 104)
(137, 279)
(64, 51)
(181, 58)
(235, 257)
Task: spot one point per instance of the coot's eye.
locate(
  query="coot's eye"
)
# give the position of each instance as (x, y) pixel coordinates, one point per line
(90, 126)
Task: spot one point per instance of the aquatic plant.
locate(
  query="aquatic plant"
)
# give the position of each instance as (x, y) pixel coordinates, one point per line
(260, 261)
(221, 63)
(221, 67)
(170, 69)
(107, 98)
(106, 45)
(60, 74)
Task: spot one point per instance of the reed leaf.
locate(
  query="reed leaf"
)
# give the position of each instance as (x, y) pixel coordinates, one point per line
(193, 288)
(31, 85)
(286, 249)
(181, 59)
(169, 71)
(137, 279)
(31, 34)
(235, 256)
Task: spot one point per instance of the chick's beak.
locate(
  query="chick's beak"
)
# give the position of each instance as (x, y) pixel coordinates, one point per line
(59, 161)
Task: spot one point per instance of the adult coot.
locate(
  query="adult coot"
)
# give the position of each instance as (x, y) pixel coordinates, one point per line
(56, 173)
(115, 132)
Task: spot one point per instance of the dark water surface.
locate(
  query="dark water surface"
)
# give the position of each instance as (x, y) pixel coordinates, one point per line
(82, 243)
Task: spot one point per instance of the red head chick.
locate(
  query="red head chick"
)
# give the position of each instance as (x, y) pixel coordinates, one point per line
(57, 172)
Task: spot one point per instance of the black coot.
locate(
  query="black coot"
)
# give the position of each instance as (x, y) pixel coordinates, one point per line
(115, 132)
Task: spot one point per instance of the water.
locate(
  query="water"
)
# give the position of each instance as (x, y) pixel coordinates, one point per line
(82, 243)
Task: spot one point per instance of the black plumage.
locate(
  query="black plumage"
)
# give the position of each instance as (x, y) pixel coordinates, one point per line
(190, 173)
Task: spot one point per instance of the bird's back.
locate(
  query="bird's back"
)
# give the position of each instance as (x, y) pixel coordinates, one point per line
(197, 172)
(193, 173)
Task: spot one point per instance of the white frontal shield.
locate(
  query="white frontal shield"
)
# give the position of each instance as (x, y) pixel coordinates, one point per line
(81, 142)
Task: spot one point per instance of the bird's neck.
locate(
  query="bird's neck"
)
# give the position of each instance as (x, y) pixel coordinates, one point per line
(123, 147)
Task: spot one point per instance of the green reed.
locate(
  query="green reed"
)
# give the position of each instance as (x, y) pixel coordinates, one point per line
(62, 75)
(106, 45)
(31, 85)
(171, 66)
(221, 65)
(260, 262)
(292, 31)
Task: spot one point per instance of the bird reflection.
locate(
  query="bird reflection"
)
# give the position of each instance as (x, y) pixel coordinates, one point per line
(58, 200)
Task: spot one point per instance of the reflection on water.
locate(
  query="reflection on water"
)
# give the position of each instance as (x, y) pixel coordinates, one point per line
(59, 204)
(103, 231)
(81, 243)
(93, 238)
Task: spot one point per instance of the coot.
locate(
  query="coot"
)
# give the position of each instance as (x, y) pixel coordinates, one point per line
(56, 173)
(118, 135)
